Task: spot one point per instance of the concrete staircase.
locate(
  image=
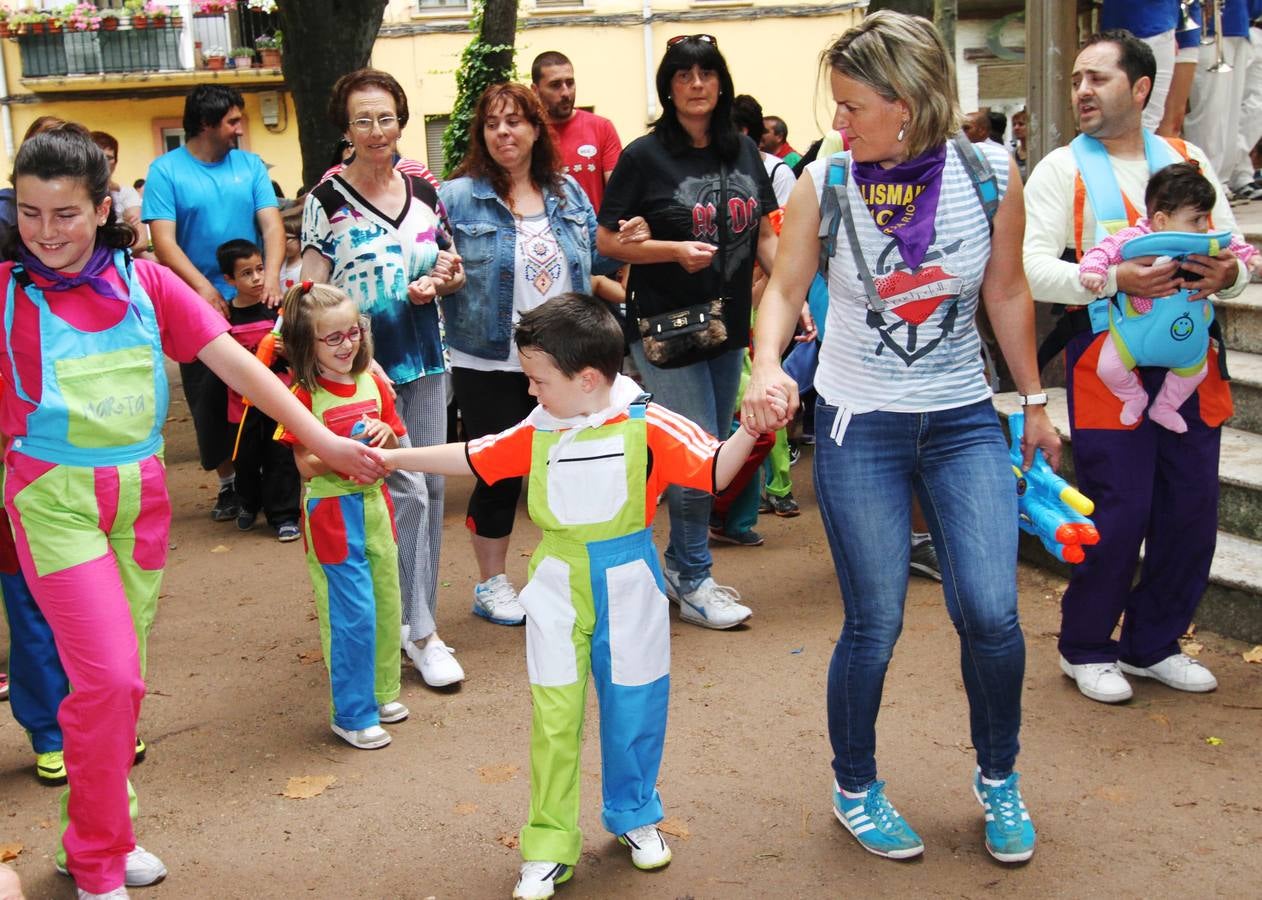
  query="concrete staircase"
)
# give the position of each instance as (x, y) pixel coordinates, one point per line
(1233, 602)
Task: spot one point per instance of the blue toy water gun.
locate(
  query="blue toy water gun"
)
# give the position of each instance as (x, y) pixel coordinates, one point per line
(1048, 507)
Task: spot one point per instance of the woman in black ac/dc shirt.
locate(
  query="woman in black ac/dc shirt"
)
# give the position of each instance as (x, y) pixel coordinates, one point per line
(705, 239)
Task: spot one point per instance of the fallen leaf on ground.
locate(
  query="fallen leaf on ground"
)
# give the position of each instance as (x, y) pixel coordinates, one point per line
(305, 787)
(674, 827)
(508, 840)
(1254, 655)
(1213, 741)
(219, 548)
(1193, 648)
(1160, 719)
(307, 657)
(497, 774)
(10, 851)
(465, 808)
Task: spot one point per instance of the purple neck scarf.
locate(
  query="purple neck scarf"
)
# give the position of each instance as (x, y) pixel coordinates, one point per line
(903, 200)
(93, 273)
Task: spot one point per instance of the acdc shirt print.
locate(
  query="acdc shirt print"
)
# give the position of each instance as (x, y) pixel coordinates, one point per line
(702, 194)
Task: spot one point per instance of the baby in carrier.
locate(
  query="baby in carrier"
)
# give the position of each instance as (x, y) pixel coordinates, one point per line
(1178, 202)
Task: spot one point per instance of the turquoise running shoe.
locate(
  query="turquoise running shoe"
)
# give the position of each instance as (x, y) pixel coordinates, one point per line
(1009, 831)
(876, 824)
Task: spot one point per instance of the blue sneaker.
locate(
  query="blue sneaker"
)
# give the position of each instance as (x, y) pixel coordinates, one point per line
(876, 824)
(1009, 831)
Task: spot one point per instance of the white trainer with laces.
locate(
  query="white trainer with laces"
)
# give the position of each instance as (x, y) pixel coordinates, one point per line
(710, 605)
(1179, 671)
(539, 879)
(143, 869)
(371, 738)
(1099, 681)
(435, 662)
(119, 893)
(648, 847)
(496, 601)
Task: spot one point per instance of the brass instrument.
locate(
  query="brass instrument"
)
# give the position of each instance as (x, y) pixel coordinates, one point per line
(1215, 8)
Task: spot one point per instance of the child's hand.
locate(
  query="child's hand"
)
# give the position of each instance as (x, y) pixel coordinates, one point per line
(1092, 281)
(1255, 265)
(423, 290)
(375, 432)
(389, 459)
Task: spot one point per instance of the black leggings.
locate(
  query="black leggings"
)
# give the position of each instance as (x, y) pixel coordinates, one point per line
(491, 402)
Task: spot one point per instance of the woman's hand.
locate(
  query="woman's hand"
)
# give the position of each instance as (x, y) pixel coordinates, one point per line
(694, 256)
(771, 399)
(1039, 434)
(375, 368)
(633, 231)
(447, 266)
(807, 323)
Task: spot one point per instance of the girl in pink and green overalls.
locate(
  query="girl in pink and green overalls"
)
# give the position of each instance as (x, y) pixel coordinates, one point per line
(85, 399)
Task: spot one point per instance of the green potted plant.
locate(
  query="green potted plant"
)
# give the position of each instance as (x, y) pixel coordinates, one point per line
(136, 9)
(157, 13)
(216, 59)
(109, 20)
(242, 57)
(268, 47)
(5, 28)
(30, 22)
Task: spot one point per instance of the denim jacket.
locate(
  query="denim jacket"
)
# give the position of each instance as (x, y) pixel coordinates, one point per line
(479, 316)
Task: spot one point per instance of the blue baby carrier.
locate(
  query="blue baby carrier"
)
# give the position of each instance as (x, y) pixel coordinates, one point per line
(1175, 333)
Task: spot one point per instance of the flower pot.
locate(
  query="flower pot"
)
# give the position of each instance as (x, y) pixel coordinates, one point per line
(35, 28)
(158, 21)
(216, 63)
(5, 30)
(139, 22)
(270, 59)
(54, 28)
(109, 24)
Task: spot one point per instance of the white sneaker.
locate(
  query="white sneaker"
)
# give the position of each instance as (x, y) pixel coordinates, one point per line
(1099, 681)
(370, 738)
(538, 880)
(496, 601)
(648, 847)
(143, 869)
(710, 605)
(435, 663)
(119, 893)
(1180, 671)
(403, 635)
(392, 712)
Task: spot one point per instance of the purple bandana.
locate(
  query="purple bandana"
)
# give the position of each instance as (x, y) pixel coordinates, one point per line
(903, 200)
(93, 273)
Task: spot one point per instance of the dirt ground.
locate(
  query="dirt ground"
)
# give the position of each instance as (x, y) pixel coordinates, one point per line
(1129, 801)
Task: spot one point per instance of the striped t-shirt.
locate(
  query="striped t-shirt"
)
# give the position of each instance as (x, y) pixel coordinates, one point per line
(923, 352)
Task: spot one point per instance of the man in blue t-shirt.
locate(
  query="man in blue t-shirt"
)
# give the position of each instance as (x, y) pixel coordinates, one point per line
(198, 197)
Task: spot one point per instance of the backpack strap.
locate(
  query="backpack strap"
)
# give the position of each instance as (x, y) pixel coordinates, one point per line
(835, 210)
(981, 175)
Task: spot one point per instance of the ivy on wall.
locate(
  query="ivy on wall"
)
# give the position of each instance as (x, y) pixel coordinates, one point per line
(487, 60)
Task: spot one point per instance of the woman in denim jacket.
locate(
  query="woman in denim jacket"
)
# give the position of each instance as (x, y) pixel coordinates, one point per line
(526, 233)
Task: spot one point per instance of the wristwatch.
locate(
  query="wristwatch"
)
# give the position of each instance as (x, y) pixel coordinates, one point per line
(1039, 399)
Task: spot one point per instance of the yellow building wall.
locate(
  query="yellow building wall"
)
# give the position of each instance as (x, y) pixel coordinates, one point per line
(775, 58)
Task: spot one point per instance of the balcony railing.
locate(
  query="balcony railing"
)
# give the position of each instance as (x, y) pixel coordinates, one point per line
(131, 49)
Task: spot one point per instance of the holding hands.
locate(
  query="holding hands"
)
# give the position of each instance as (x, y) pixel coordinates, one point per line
(446, 276)
(770, 401)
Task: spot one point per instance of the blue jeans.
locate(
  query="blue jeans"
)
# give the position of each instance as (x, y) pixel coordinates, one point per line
(957, 463)
(704, 392)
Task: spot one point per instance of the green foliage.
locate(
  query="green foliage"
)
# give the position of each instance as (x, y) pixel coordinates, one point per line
(476, 73)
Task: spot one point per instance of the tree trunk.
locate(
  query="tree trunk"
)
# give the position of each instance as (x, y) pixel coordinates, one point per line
(323, 40)
(480, 67)
(499, 27)
(911, 7)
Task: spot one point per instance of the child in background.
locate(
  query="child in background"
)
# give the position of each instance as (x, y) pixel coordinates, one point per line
(289, 270)
(598, 455)
(1178, 198)
(351, 551)
(86, 491)
(266, 477)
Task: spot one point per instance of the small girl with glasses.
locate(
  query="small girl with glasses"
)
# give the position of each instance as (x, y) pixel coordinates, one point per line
(351, 551)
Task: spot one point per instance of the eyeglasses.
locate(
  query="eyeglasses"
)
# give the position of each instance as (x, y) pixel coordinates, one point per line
(364, 125)
(337, 338)
(702, 38)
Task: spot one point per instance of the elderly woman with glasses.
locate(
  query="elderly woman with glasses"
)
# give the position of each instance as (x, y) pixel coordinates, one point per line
(702, 187)
(381, 236)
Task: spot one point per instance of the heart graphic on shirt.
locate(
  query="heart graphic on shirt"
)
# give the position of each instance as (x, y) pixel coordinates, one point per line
(914, 296)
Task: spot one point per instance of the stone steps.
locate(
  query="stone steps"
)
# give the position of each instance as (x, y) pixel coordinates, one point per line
(1246, 390)
(1233, 602)
(1241, 319)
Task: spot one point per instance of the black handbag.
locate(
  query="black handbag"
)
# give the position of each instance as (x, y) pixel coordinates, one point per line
(693, 333)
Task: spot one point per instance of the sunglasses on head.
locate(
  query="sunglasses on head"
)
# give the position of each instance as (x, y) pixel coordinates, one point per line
(701, 38)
